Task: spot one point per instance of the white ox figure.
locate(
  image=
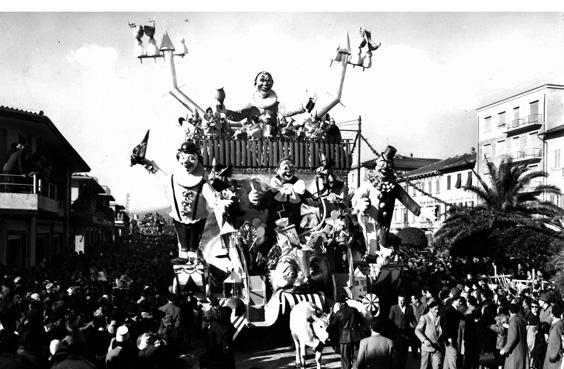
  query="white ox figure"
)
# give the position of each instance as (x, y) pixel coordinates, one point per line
(309, 329)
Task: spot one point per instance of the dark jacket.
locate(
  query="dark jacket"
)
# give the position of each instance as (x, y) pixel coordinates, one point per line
(347, 324)
(451, 322)
(404, 321)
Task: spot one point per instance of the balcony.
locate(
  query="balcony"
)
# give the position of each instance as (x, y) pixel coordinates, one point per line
(263, 154)
(527, 154)
(531, 122)
(28, 193)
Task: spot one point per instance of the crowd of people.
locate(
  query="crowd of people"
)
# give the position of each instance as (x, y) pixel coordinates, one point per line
(108, 309)
(112, 309)
(468, 323)
(216, 125)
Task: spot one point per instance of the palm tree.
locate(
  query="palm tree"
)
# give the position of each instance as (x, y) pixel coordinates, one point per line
(508, 206)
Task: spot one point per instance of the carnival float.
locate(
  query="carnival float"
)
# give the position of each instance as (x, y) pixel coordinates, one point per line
(259, 198)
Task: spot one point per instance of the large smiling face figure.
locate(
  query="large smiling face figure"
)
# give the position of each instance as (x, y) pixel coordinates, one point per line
(188, 156)
(264, 83)
(286, 170)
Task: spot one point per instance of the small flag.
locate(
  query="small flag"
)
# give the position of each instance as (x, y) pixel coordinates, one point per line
(139, 151)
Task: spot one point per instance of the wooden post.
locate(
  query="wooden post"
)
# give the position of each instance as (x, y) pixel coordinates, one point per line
(359, 135)
(237, 153)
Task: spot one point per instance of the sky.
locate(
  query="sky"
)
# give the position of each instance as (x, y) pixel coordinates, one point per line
(433, 70)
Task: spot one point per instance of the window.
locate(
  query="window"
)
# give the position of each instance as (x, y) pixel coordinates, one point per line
(469, 179)
(500, 148)
(493, 149)
(516, 113)
(438, 186)
(430, 186)
(557, 158)
(501, 119)
(448, 182)
(534, 111)
(487, 124)
(488, 151)
(458, 180)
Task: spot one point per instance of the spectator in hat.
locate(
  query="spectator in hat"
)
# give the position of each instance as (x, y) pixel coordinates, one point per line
(515, 349)
(376, 351)
(347, 325)
(219, 343)
(121, 353)
(429, 332)
(171, 323)
(545, 314)
(451, 323)
(553, 356)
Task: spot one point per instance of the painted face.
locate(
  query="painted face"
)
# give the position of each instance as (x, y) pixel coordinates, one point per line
(264, 82)
(188, 161)
(286, 170)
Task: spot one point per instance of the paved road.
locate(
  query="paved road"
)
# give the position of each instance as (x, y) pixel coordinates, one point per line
(272, 348)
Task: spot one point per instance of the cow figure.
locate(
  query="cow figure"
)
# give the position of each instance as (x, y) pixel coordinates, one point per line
(308, 327)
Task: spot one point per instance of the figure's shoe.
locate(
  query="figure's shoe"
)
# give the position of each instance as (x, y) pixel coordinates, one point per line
(179, 261)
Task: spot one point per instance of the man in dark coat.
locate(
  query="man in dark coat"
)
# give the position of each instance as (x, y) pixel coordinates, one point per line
(516, 345)
(219, 343)
(451, 322)
(171, 326)
(553, 357)
(376, 351)
(404, 318)
(347, 325)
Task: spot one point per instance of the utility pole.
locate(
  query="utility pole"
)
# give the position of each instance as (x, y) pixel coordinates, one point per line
(358, 152)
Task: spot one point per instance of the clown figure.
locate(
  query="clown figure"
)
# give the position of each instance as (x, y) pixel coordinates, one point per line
(192, 200)
(374, 203)
(283, 200)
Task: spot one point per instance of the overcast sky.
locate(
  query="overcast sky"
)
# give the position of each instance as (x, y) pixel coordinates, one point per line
(431, 73)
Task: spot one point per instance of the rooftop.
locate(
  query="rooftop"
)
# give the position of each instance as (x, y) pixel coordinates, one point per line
(42, 126)
(459, 162)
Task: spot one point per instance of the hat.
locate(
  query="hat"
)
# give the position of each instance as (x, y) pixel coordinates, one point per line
(189, 148)
(342, 299)
(17, 279)
(122, 334)
(49, 286)
(547, 297)
(389, 153)
(35, 296)
(286, 158)
(455, 291)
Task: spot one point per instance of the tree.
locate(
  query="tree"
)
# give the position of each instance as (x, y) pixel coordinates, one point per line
(152, 224)
(412, 237)
(510, 223)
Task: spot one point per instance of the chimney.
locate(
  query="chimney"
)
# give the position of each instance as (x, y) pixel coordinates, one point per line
(411, 155)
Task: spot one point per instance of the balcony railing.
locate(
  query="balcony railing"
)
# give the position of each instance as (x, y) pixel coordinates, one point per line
(28, 184)
(532, 153)
(530, 122)
(265, 153)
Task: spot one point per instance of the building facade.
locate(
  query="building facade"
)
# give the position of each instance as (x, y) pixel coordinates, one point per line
(93, 217)
(444, 181)
(528, 127)
(35, 188)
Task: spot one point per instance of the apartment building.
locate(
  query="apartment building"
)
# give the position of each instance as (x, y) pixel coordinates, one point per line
(528, 127)
(443, 181)
(93, 217)
(35, 188)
